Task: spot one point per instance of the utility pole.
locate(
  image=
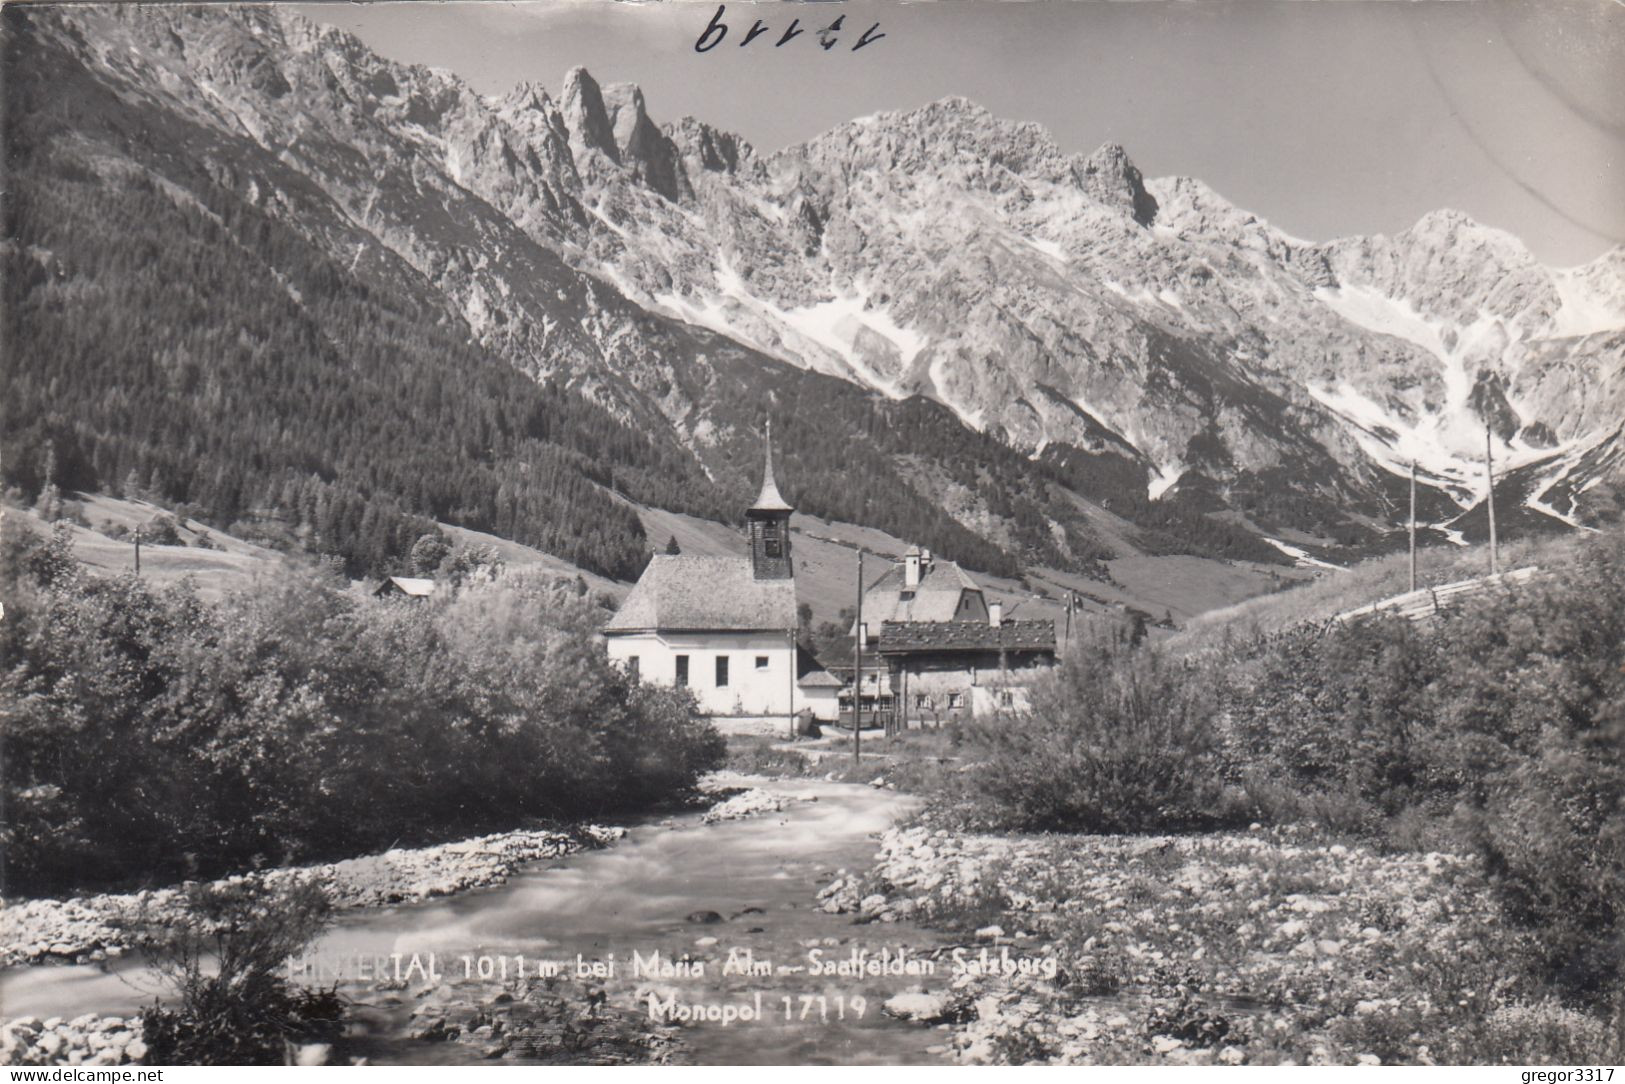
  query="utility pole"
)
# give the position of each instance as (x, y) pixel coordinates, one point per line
(1489, 476)
(1413, 525)
(857, 672)
(790, 705)
(138, 549)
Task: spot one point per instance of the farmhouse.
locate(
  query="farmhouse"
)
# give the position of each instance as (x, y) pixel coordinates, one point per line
(946, 670)
(725, 627)
(937, 650)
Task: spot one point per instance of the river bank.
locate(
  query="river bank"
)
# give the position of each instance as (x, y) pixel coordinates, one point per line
(88, 929)
(702, 912)
(1236, 948)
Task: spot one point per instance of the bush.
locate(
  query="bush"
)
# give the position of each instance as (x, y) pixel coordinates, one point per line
(1498, 728)
(1118, 740)
(1532, 714)
(162, 530)
(224, 963)
(151, 735)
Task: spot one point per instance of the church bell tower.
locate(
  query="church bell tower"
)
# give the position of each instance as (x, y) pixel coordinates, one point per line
(769, 520)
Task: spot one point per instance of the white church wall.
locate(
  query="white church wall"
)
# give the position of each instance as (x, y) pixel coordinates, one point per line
(759, 667)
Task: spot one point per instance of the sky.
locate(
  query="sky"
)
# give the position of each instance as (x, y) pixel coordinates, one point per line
(1326, 117)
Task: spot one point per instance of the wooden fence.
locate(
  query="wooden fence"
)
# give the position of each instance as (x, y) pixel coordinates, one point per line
(1425, 603)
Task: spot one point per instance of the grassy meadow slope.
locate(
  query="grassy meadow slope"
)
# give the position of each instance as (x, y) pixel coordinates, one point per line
(1370, 581)
(216, 571)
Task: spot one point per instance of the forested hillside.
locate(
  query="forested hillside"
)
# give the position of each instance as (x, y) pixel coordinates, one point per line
(171, 338)
(200, 351)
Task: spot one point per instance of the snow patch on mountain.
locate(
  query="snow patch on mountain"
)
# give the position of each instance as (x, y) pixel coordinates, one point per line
(1584, 311)
(1049, 248)
(839, 325)
(1167, 477)
(1395, 444)
(1373, 310)
(1302, 556)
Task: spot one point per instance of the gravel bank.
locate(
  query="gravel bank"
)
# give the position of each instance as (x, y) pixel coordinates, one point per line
(1239, 948)
(84, 1040)
(85, 930)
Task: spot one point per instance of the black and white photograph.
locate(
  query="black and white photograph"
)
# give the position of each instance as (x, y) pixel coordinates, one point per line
(569, 533)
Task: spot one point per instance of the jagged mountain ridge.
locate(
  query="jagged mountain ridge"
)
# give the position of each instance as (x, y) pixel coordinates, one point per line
(908, 251)
(1404, 347)
(948, 253)
(1057, 301)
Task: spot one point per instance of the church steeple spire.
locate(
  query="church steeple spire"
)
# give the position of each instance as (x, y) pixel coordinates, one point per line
(768, 500)
(769, 519)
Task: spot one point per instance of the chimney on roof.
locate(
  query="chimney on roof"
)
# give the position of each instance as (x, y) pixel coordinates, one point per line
(911, 567)
(925, 562)
(995, 614)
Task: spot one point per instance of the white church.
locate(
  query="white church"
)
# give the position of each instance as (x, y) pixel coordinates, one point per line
(725, 627)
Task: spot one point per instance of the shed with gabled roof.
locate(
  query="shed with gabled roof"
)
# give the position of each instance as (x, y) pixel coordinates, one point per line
(405, 587)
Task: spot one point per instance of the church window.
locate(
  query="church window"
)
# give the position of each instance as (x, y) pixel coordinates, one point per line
(722, 671)
(682, 671)
(771, 544)
(761, 662)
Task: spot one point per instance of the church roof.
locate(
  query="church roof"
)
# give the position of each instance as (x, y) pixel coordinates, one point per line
(935, 599)
(709, 594)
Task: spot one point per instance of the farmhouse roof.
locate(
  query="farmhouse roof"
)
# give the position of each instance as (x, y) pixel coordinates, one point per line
(897, 637)
(683, 593)
(936, 598)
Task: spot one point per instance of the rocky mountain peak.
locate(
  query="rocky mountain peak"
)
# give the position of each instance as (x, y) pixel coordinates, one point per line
(951, 134)
(649, 152)
(582, 104)
(940, 251)
(623, 102)
(958, 106)
(707, 148)
(524, 97)
(1448, 226)
(1110, 177)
